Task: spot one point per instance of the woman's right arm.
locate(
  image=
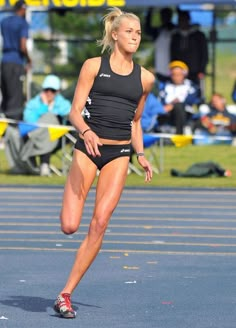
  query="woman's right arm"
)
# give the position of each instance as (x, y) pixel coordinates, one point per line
(85, 82)
(86, 78)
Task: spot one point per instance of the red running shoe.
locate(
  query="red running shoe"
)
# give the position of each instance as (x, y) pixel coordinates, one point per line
(63, 306)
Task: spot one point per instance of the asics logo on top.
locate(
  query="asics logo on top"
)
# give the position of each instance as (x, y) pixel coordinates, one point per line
(123, 150)
(104, 75)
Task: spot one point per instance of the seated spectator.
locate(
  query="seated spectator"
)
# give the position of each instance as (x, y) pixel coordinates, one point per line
(152, 109)
(48, 107)
(178, 95)
(215, 120)
(151, 112)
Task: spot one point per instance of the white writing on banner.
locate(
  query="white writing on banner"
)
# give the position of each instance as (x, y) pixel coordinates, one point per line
(66, 3)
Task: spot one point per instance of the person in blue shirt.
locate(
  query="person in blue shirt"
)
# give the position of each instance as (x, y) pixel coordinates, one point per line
(48, 100)
(28, 146)
(152, 109)
(15, 31)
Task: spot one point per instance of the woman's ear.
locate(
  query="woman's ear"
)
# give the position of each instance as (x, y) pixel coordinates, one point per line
(114, 35)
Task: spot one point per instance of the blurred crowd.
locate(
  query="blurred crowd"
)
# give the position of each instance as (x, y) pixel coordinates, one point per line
(177, 104)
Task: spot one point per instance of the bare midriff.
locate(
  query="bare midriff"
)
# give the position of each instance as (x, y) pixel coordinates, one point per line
(112, 142)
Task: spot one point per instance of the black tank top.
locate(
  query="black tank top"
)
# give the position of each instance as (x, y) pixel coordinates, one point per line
(112, 102)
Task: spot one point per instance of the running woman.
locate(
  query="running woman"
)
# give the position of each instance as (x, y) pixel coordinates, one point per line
(113, 90)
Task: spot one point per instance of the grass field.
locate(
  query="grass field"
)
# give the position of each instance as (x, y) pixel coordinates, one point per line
(178, 158)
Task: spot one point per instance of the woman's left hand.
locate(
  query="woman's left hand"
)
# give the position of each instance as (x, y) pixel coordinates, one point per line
(147, 168)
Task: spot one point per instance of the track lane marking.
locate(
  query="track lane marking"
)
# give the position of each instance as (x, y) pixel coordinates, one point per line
(122, 251)
(140, 234)
(116, 242)
(127, 191)
(42, 217)
(121, 206)
(5, 199)
(133, 226)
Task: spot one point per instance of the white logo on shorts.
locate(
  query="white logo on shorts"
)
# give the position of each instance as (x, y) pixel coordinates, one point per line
(123, 150)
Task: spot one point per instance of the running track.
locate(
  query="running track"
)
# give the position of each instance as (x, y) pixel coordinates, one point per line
(168, 260)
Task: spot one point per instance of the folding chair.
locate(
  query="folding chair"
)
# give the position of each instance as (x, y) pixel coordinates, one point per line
(65, 152)
(150, 141)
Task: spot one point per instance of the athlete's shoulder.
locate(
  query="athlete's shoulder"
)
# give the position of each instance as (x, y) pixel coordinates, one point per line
(148, 75)
(92, 65)
(148, 79)
(93, 62)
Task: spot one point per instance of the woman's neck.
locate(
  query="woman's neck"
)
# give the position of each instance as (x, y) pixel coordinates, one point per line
(120, 64)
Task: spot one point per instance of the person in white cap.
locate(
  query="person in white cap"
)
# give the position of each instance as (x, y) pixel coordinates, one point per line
(49, 100)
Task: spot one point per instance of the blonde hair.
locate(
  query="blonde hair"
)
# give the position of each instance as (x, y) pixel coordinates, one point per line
(111, 23)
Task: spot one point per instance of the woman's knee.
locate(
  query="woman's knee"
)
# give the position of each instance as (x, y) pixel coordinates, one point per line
(69, 226)
(99, 224)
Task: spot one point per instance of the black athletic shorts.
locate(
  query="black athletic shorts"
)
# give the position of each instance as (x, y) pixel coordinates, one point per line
(108, 152)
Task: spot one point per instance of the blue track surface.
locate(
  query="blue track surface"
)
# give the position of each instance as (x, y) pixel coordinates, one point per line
(168, 260)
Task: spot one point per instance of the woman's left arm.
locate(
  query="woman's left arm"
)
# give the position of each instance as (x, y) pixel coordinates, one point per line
(148, 80)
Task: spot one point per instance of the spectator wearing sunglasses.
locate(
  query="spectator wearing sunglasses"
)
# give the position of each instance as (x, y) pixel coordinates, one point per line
(48, 100)
(45, 104)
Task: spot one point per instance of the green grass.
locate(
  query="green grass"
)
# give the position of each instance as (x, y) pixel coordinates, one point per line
(178, 158)
(225, 76)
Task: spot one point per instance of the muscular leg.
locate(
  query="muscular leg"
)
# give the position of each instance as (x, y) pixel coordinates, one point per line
(80, 178)
(109, 188)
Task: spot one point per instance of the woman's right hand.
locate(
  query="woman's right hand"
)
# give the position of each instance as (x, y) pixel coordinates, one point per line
(92, 141)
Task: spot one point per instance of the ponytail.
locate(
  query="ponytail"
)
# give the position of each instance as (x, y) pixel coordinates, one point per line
(111, 23)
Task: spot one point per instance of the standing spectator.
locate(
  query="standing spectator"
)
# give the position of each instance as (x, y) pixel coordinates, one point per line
(14, 31)
(189, 45)
(178, 95)
(162, 37)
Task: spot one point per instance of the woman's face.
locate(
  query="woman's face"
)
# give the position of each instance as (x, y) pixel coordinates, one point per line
(128, 35)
